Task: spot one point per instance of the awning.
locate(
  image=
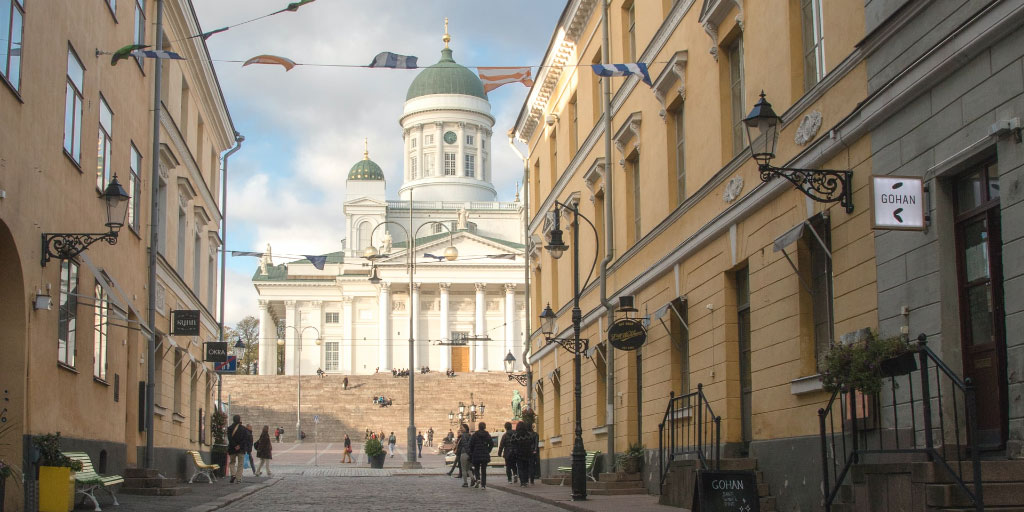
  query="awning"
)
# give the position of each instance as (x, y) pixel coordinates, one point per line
(790, 237)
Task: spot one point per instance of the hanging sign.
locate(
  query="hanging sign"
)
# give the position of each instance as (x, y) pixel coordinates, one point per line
(627, 334)
(185, 322)
(228, 366)
(216, 351)
(727, 491)
(897, 203)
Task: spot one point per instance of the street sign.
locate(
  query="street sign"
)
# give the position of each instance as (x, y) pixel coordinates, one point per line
(627, 334)
(185, 322)
(897, 203)
(216, 351)
(228, 366)
(727, 491)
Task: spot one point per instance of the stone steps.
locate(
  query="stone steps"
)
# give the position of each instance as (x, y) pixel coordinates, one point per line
(149, 482)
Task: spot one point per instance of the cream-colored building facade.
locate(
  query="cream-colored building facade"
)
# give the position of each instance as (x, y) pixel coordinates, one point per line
(76, 331)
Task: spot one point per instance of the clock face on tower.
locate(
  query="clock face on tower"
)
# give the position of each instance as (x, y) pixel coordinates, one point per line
(450, 137)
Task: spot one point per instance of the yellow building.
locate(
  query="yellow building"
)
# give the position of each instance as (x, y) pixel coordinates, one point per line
(686, 225)
(74, 348)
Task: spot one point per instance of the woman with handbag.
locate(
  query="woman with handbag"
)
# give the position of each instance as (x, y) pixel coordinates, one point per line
(347, 452)
(263, 451)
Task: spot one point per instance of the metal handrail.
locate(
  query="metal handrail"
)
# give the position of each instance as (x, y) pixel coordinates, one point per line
(689, 427)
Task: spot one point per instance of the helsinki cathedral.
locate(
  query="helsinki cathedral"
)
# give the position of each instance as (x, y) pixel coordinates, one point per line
(352, 316)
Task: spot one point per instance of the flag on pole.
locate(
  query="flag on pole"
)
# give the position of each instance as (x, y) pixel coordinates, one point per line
(317, 261)
(157, 54)
(634, 68)
(497, 77)
(393, 60)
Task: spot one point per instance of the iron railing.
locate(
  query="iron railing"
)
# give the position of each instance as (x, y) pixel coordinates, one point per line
(929, 411)
(689, 430)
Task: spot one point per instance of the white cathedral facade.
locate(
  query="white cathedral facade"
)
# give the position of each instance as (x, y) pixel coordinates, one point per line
(337, 320)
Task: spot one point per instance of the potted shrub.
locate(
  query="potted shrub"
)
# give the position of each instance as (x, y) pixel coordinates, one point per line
(863, 365)
(56, 474)
(374, 453)
(632, 460)
(219, 450)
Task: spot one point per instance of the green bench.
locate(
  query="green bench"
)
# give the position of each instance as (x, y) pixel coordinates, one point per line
(566, 471)
(88, 481)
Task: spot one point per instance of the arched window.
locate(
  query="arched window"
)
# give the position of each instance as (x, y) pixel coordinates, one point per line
(364, 235)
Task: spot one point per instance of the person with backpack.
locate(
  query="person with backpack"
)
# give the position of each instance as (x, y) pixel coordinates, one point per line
(480, 444)
(507, 450)
(239, 444)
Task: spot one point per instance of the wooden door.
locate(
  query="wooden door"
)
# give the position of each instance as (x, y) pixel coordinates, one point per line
(980, 279)
(460, 359)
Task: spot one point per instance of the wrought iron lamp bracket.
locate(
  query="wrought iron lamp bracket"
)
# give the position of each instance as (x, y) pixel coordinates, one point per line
(822, 185)
(572, 345)
(520, 378)
(68, 245)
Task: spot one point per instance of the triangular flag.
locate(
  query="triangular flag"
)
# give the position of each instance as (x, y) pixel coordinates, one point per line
(393, 60)
(634, 68)
(497, 77)
(123, 52)
(288, 64)
(162, 54)
(317, 261)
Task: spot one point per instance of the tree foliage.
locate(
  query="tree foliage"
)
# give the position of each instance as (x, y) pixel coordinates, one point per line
(247, 330)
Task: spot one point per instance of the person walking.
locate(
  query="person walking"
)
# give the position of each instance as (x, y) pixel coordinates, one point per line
(263, 450)
(344, 384)
(462, 455)
(346, 453)
(480, 444)
(277, 434)
(507, 450)
(391, 444)
(430, 436)
(239, 444)
(522, 441)
(251, 459)
(534, 453)
(419, 445)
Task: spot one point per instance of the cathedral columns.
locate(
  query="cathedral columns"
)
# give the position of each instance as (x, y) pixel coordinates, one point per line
(347, 355)
(268, 342)
(384, 322)
(291, 354)
(510, 319)
(480, 364)
(480, 153)
(446, 350)
(414, 310)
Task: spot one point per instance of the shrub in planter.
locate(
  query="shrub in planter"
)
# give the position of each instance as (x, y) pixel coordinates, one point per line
(374, 452)
(56, 479)
(632, 460)
(219, 450)
(863, 365)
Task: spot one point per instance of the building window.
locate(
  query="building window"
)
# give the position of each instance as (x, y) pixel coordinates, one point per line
(742, 282)
(12, 15)
(449, 164)
(631, 30)
(179, 357)
(161, 214)
(365, 230)
(211, 286)
(470, 165)
(331, 356)
(68, 312)
(736, 95)
(679, 150)
(634, 170)
(412, 167)
(331, 317)
(134, 187)
(99, 348)
(680, 337)
(596, 89)
(183, 118)
(438, 229)
(428, 139)
(816, 265)
(469, 140)
(182, 233)
(197, 262)
(556, 388)
(814, 42)
(73, 108)
(412, 143)
(574, 125)
(105, 138)
(428, 164)
(483, 167)
(140, 26)
(601, 388)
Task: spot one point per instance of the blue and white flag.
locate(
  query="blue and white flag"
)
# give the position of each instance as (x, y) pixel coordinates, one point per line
(393, 60)
(636, 68)
(317, 261)
(157, 54)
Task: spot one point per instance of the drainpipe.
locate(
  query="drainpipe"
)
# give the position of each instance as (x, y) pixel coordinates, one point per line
(154, 239)
(609, 249)
(527, 342)
(239, 139)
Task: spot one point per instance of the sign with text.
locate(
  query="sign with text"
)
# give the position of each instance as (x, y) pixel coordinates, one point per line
(216, 351)
(228, 366)
(897, 202)
(185, 322)
(627, 334)
(727, 491)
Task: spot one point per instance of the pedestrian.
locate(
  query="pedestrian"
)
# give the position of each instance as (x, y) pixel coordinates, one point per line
(430, 436)
(344, 384)
(252, 461)
(239, 444)
(419, 445)
(508, 451)
(480, 444)
(277, 434)
(462, 455)
(347, 452)
(522, 443)
(391, 444)
(535, 453)
(263, 450)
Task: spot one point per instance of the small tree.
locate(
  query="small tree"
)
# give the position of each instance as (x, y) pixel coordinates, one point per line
(248, 331)
(217, 425)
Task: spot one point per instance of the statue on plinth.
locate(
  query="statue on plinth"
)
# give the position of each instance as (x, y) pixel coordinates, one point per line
(517, 405)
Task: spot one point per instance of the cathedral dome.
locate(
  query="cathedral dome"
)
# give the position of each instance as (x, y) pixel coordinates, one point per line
(446, 77)
(366, 170)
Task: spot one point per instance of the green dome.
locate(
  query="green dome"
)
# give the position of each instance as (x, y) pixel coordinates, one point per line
(366, 169)
(446, 77)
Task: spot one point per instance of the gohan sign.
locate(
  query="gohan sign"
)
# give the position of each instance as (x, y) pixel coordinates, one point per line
(897, 202)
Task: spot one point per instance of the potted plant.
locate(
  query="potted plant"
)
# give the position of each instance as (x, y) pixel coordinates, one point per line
(529, 416)
(56, 474)
(374, 452)
(863, 365)
(632, 460)
(219, 450)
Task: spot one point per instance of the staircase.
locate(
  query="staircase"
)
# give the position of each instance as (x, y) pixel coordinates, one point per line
(616, 484)
(926, 487)
(270, 400)
(149, 482)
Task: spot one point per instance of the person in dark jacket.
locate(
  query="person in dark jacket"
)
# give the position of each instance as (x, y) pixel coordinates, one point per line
(534, 453)
(346, 455)
(239, 444)
(264, 450)
(252, 446)
(480, 445)
(522, 441)
(462, 455)
(508, 451)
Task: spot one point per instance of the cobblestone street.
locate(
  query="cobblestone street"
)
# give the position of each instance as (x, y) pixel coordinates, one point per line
(371, 493)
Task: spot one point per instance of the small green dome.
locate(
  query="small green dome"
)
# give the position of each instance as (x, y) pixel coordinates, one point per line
(446, 77)
(366, 169)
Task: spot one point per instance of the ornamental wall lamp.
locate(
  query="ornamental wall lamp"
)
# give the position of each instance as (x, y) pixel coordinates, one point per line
(822, 185)
(66, 246)
(510, 362)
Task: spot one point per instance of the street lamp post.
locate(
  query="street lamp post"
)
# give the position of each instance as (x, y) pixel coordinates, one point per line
(575, 345)
(298, 375)
(450, 254)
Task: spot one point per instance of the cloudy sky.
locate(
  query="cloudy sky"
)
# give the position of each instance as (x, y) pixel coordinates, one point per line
(304, 128)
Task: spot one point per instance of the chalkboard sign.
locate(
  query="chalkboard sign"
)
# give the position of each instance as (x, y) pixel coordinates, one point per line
(727, 491)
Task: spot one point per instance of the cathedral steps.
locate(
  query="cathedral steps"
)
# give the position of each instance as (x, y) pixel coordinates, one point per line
(270, 400)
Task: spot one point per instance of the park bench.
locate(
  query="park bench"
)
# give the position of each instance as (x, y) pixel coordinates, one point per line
(88, 481)
(202, 468)
(591, 463)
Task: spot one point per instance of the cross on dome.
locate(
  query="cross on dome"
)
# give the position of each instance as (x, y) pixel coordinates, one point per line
(447, 38)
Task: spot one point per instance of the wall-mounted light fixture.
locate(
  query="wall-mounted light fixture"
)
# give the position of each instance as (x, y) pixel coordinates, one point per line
(68, 245)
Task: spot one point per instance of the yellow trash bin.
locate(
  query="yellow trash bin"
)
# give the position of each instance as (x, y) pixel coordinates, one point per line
(56, 489)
